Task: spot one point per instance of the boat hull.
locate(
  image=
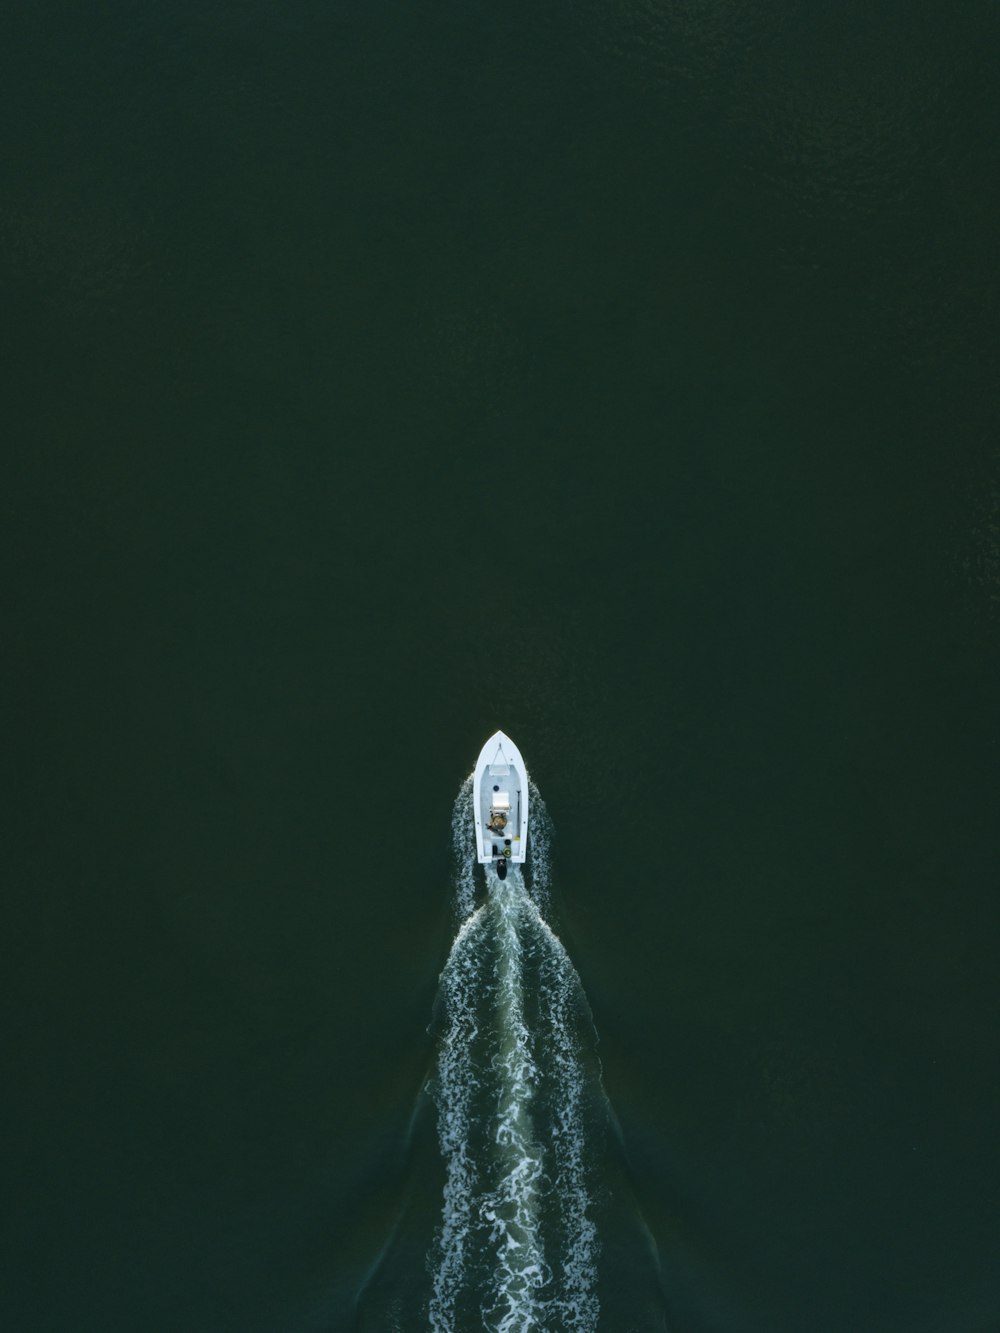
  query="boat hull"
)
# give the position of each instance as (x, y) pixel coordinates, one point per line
(500, 802)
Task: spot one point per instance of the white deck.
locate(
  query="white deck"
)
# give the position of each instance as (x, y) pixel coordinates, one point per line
(500, 791)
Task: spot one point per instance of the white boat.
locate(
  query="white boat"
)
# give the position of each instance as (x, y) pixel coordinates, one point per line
(500, 803)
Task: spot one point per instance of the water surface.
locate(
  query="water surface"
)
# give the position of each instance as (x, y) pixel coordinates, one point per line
(377, 376)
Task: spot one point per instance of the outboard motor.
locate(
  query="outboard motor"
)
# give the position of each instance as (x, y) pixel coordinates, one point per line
(502, 867)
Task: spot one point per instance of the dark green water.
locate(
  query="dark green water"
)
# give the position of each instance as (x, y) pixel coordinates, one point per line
(376, 376)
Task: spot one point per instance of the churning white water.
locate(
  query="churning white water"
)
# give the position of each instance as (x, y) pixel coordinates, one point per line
(516, 1247)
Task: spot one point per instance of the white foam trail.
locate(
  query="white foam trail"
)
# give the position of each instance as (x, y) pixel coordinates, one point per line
(577, 1304)
(539, 848)
(455, 1086)
(511, 1209)
(463, 850)
(517, 1238)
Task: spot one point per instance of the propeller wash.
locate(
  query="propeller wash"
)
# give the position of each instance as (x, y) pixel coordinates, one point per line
(519, 1104)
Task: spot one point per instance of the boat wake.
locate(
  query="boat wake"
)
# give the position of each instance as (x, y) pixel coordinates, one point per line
(519, 1105)
(517, 1185)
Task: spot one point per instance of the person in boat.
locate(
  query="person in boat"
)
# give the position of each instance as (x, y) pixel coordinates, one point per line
(499, 822)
